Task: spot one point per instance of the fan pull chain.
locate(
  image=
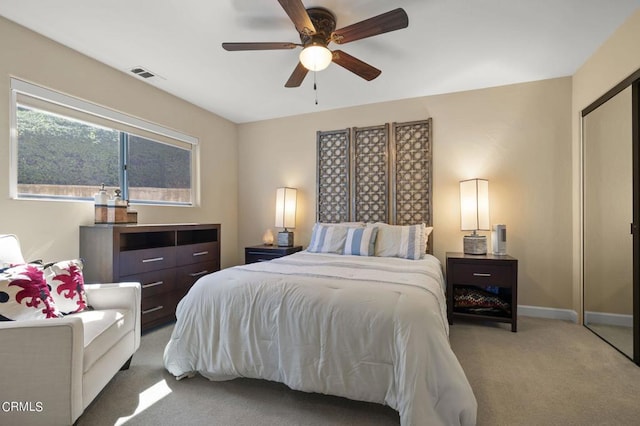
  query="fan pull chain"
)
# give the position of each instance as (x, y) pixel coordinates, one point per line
(315, 87)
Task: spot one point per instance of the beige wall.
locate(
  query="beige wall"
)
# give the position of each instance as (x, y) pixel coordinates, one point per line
(49, 230)
(518, 137)
(615, 60)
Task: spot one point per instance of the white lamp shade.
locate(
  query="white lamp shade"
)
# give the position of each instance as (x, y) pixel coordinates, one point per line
(286, 207)
(315, 57)
(474, 205)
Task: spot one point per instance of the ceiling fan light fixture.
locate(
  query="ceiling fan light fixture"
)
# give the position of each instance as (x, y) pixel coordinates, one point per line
(316, 57)
(316, 27)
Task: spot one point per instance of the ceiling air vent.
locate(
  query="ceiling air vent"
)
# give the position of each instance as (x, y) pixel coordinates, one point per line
(141, 72)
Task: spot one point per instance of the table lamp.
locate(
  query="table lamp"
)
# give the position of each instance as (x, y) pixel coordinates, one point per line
(286, 215)
(474, 214)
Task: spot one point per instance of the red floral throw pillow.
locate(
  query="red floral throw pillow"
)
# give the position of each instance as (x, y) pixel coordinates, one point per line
(24, 294)
(66, 283)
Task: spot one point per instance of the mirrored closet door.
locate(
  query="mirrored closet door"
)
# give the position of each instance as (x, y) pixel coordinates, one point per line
(610, 217)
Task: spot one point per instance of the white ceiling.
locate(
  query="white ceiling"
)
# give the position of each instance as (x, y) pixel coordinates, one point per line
(449, 46)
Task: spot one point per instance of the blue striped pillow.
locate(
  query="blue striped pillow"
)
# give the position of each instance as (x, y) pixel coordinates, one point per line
(361, 241)
(327, 238)
(406, 241)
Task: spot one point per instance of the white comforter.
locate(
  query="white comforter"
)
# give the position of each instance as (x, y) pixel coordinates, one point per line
(366, 328)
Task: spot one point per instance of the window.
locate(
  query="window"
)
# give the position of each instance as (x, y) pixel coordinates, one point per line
(157, 172)
(61, 157)
(65, 148)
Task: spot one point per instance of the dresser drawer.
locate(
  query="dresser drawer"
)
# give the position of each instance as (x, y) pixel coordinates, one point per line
(157, 307)
(187, 275)
(196, 253)
(146, 260)
(154, 282)
(258, 256)
(263, 253)
(485, 274)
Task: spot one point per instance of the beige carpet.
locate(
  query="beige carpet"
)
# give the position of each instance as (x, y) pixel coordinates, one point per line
(549, 373)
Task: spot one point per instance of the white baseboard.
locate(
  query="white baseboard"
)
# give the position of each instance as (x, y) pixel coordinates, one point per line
(551, 313)
(606, 318)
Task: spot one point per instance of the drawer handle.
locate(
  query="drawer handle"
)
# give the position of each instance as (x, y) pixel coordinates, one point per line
(153, 259)
(148, 311)
(152, 284)
(480, 274)
(197, 274)
(200, 253)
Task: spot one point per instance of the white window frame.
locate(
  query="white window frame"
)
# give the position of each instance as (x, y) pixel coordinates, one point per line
(35, 91)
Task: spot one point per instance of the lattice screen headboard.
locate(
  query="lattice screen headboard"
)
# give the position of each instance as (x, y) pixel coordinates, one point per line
(375, 174)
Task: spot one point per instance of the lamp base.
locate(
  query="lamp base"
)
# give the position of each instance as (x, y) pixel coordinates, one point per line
(285, 239)
(475, 244)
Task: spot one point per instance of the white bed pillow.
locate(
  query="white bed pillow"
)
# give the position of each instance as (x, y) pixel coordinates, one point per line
(361, 241)
(327, 238)
(408, 241)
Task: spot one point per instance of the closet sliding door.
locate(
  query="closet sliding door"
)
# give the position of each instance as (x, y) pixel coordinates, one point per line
(610, 217)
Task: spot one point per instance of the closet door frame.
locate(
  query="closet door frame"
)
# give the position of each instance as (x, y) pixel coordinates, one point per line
(635, 110)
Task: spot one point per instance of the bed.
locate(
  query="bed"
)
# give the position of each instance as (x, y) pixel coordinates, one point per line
(362, 327)
(361, 313)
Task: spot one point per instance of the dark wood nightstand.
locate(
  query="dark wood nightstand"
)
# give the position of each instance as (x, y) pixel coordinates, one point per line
(493, 276)
(263, 252)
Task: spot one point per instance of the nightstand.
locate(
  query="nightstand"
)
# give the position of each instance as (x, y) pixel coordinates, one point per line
(482, 288)
(263, 252)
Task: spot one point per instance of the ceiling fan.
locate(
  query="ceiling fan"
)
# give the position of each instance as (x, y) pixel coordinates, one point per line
(317, 28)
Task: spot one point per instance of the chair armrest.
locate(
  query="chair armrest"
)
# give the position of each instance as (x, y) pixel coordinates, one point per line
(124, 295)
(41, 362)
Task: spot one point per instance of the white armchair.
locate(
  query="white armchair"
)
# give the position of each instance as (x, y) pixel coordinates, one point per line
(52, 369)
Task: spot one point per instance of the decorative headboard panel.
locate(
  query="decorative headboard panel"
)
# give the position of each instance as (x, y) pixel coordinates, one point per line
(333, 176)
(376, 174)
(411, 172)
(370, 174)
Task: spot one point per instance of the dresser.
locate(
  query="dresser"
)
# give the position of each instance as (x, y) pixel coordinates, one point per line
(165, 259)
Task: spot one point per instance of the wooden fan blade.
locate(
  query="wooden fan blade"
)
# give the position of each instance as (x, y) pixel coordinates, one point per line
(298, 15)
(297, 76)
(355, 65)
(390, 21)
(232, 47)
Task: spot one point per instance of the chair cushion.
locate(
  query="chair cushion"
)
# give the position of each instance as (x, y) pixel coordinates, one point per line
(102, 330)
(67, 285)
(24, 294)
